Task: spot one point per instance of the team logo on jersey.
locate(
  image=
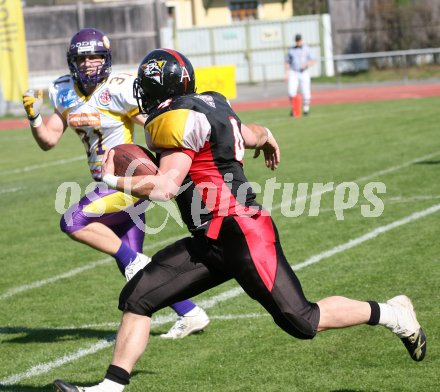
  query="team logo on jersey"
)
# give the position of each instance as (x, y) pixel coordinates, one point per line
(154, 70)
(77, 120)
(207, 99)
(105, 97)
(67, 98)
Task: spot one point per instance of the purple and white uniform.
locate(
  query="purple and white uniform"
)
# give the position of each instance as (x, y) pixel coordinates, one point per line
(102, 121)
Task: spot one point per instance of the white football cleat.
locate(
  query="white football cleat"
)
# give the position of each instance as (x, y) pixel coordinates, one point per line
(407, 328)
(186, 325)
(136, 265)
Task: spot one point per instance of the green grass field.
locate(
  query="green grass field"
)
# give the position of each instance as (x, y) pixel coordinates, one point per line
(59, 299)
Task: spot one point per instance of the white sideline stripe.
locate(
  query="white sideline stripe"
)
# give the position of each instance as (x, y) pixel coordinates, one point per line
(76, 271)
(41, 166)
(44, 368)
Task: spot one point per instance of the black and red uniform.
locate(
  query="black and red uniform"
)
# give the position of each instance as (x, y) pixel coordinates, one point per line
(233, 237)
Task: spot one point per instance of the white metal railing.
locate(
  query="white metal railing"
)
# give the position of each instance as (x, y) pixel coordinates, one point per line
(394, 53)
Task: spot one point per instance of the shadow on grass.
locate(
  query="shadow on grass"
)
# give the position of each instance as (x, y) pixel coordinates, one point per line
(352, 390)
(432, 162)
(26, 388)
(32, 335)
(50, 387)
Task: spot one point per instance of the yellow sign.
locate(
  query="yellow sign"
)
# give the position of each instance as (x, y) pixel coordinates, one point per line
(220, 78)
(13, 56)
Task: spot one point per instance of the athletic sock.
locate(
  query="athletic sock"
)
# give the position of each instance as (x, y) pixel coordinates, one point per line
(184, 307)
(387, 316)
(124, 256)
(115, 379)
(193, 312)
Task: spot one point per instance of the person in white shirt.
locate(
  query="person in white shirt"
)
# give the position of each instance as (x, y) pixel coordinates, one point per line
(298, 61)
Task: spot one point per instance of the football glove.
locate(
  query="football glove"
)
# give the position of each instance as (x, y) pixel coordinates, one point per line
(32, 102)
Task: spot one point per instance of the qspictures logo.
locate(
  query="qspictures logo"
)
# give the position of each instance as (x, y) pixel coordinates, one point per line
(294, 200)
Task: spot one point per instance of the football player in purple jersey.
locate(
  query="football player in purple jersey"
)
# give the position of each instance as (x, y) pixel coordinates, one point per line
(100, 108)
(201, 141)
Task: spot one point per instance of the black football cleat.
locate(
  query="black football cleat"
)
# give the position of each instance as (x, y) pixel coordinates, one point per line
(416, 345)
(407, 328)
(61, 386)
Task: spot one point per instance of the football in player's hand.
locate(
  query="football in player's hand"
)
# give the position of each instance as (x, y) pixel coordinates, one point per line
(133, 160)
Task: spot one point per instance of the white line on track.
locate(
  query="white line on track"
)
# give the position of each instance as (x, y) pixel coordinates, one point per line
(104, 343)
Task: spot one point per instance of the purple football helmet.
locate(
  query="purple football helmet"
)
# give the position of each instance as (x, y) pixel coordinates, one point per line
(89, 41)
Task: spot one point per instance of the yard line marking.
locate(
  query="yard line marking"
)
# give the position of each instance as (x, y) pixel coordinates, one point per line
(48, 366)
(44, 368)
(397, 167)
(368, 236)
(75, 271)
(41, 166)
(11, 190)
(39, 283)
(364, 178)
(400, 199)
(394, 200)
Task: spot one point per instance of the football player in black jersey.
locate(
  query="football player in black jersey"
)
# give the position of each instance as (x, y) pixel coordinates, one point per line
(201, 142)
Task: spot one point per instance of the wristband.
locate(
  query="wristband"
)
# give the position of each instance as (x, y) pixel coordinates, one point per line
(110, 180)
(36, 121)
(269, 134)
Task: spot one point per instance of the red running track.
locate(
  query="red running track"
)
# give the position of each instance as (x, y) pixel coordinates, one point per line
(319, 97)
(346, 95)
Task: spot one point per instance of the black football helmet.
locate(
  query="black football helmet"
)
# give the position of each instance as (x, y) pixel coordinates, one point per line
(162, 74)
(85, 42)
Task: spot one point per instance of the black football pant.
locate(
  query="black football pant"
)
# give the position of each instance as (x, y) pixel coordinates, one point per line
(246, 249)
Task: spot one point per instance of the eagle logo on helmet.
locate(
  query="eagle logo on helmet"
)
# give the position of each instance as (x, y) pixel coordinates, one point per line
(154, 70)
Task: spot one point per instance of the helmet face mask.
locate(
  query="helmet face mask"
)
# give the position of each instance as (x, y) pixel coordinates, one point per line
(162, 74)
(89, 42)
